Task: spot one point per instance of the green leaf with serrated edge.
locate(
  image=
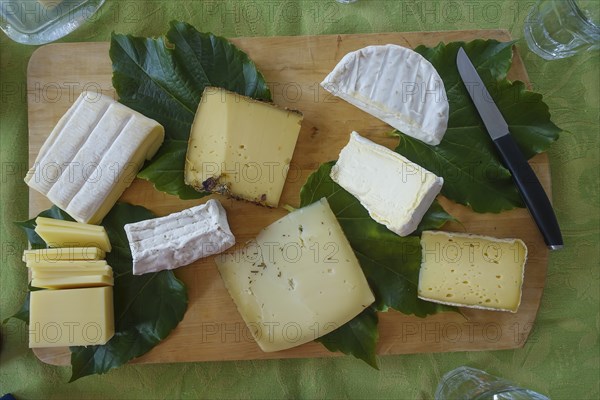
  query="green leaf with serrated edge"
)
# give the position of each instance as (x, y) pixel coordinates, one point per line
(147, 307)
(164, 78)
(466, 158)
(28, 226)
(391, 263)
(358, 337)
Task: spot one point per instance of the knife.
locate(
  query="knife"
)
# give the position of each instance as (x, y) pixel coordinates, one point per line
(527, 182)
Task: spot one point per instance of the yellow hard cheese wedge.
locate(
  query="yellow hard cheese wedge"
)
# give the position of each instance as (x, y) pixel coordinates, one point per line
(72, 281)
(298, 280)
(59, 233)
(71, 317)
(63, 254)
(92, 155)
(471, 270)
(68, 272)
(241, 147)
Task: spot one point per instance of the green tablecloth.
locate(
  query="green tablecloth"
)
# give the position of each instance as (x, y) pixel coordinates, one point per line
(562, 356)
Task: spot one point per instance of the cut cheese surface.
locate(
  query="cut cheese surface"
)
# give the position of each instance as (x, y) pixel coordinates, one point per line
(59, 233)
(93, 155)
(180, 238)
(46, 273)
(73, 281)
(472, 270)
(47, 264)
(64, 254)
(396, 85)
(241, 147)
(395, 191)
(71, 317)
(298, 280)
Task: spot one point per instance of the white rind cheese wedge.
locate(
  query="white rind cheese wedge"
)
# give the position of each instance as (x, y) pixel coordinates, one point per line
(471, 270)
(93, 155)
(179, 239)
(241, 147)
(298, 280)
(396, 85)
(395, 191)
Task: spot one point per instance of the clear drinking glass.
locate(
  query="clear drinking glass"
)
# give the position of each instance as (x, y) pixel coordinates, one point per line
(44, 21)
(465, 383)
(560, 28)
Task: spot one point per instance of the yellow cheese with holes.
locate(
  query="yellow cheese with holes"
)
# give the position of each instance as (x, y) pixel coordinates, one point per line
(72, 281)
(59, 233)
(241, 147)
(64, 254)
(471, 270)
(71, 317)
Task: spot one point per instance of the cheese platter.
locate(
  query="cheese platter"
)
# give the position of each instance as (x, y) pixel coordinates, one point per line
(212, 329)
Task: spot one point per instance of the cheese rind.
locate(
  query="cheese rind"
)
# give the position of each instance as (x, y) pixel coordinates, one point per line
(64, 254)
(71, 317)
(93, 155)
(241, 147)
(396, 85)
(395, 191)
(180, 238)
(472, 270)
(298, 280)
(59, 233)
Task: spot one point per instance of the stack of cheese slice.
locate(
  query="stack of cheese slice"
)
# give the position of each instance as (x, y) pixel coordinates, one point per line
(92, 156)
(77, 310)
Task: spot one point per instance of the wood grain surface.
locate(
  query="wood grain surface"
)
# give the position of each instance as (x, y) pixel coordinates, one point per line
(212, 329)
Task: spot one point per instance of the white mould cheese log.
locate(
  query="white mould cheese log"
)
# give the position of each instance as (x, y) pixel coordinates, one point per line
(395, 191)
(92, 155)
(180, 238)
(396, 85)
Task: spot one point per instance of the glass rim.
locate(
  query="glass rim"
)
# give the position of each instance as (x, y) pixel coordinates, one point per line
(580, 14)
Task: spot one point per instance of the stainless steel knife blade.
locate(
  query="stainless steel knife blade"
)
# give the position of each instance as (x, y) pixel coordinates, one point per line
(529, 186)
(492, 118)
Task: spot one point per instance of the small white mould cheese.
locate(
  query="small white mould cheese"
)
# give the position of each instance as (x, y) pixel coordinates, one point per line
(395, 191)
(396, 85)
(180, 238)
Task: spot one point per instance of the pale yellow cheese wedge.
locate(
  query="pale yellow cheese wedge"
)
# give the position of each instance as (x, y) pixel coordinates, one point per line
(471, 270)
(59, 233)
(70, 282)
(71, 317)
(241, 147)
(298, 280)
(64, 254)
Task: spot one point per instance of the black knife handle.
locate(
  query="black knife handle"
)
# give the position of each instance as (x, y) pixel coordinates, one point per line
(531, 190)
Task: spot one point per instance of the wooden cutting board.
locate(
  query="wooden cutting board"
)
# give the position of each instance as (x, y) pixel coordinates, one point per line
(212, 329)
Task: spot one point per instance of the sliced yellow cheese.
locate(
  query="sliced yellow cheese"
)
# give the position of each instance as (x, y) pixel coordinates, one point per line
(45, 273)
(241, 147)
(472, 270)
(45, 264)
(64, 254)
(298, 280)
(70, 282)
(59, 233)
(71, 317)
